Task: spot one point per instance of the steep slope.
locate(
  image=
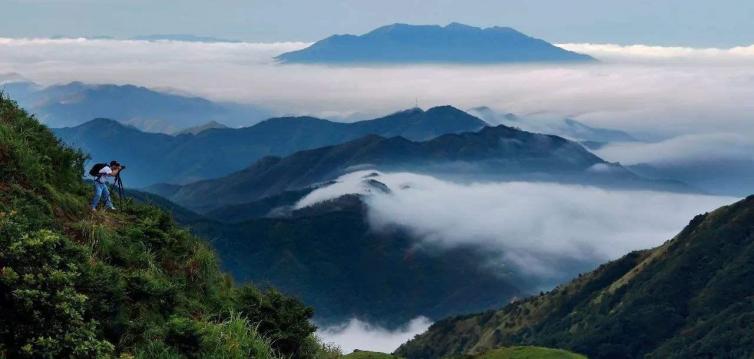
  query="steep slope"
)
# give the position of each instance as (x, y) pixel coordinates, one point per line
(116, 284)
(454, 43)
(329, 256)
(75, 103)
(500, 153)
(218, 152)
(691, 297)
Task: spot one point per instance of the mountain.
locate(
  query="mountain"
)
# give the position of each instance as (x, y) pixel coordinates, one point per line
(567, 127)
(454, 43)
(329, 256)
(499, 153)
(218, 152)
(127, 283)
(689, 298)
(149, 110)
(271, 206)
(201, 128)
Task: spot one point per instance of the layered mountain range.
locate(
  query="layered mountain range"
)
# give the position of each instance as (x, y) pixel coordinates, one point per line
(216, 152)
(146, 109)
(492, 153)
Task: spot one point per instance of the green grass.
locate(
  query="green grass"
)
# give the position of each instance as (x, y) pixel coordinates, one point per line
(369, 355)
(528, 352)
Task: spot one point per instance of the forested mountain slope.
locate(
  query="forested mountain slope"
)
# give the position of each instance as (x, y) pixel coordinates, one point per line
(692, 297)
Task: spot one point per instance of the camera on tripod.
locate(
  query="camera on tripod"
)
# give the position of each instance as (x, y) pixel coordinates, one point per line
(118, 183)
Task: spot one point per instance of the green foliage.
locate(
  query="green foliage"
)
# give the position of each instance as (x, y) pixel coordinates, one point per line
(44, 313)
(118, 284)
(525, 352)
(362, 354)
(233, 338)
(285, 319)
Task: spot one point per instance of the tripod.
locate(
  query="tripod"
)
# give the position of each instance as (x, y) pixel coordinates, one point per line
(118, 185)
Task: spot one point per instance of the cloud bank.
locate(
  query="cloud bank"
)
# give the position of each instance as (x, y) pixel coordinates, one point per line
(536, 227)
(664, 54)
(684, 149)
(654, 91)
(356, 334)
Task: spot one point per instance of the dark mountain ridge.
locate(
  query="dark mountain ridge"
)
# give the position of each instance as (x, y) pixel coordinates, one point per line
(217, 152)
(493, 153)
(454, 43)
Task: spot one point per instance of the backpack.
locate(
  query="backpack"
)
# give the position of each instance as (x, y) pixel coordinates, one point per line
(96, 168)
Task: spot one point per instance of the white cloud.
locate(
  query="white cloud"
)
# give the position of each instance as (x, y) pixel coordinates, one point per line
(535, 226)
(356, 334)
(664, 54)
(689, 91)
(683, 149)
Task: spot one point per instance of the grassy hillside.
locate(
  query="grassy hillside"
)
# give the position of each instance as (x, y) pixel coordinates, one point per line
(526, 353)
(691, 297)
(361, 354)
(118, 284)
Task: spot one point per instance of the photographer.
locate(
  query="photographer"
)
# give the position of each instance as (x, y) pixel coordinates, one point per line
(102, 173)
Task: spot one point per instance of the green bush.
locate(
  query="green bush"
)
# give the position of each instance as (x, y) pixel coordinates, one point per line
(44, 313)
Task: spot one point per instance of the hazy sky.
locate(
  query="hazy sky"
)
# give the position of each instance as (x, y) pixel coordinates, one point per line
(720, 23)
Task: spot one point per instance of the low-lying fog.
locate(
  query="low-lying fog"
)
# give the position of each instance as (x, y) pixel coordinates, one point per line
(538, 229)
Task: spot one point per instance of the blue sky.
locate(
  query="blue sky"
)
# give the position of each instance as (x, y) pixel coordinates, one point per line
(700, 23)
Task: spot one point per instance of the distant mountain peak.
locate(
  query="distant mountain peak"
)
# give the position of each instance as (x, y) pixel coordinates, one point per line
(446, 109)
(201, 128)
(453, 43)
(102, 123)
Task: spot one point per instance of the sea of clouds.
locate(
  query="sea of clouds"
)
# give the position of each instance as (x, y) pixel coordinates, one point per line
(656, 93)
(686, 104)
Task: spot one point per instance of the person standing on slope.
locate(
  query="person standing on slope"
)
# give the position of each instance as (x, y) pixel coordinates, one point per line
(102, 172)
